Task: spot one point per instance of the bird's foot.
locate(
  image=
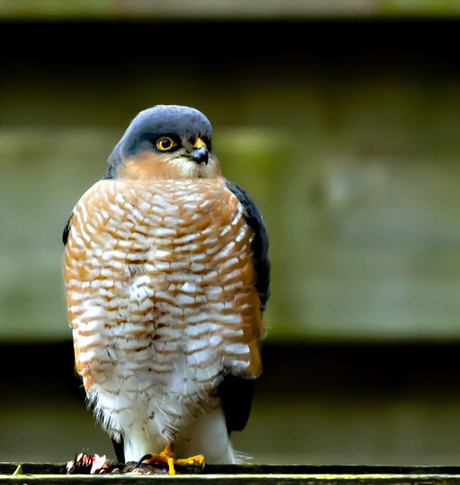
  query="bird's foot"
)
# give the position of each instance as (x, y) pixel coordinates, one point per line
(191, 460)
(167, 457)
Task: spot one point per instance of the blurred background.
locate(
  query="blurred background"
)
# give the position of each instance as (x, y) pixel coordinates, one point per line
(342, 119)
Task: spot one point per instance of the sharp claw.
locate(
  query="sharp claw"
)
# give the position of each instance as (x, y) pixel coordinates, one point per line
(148, 456)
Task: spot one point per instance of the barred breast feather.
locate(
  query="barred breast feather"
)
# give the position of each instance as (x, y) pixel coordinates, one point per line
(161, 299)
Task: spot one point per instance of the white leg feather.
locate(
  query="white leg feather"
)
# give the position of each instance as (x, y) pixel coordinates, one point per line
(207, 436)
(138, 443)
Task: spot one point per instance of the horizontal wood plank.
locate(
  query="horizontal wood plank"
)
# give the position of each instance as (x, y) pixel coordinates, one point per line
(243, 474)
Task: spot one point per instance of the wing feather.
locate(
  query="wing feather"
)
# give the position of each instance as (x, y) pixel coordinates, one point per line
(65, 234)
(236, 391)
(256, 222)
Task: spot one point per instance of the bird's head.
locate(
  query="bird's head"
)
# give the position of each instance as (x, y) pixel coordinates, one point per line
(165, 141)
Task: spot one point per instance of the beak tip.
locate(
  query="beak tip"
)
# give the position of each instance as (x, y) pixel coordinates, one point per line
(201, 155)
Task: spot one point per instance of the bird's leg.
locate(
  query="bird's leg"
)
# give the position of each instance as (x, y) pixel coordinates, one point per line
(167, 456)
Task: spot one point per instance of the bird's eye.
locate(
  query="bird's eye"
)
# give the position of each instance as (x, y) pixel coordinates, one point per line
(165, 143)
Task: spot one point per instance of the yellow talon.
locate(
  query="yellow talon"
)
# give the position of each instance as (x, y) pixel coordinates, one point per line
(167, 456)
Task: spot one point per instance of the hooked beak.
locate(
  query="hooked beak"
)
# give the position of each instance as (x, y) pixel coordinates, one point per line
(200, 153)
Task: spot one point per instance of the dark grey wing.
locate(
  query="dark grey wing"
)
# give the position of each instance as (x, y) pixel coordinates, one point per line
(65, 234)
(236, 396)
(235, 391)
(255, 221)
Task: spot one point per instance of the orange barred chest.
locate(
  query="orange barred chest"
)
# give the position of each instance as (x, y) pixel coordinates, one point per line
(158, 271)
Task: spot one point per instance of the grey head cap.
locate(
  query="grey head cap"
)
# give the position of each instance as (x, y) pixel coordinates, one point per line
(151, 123)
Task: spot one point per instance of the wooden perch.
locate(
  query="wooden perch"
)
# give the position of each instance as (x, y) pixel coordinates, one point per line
(54, 474)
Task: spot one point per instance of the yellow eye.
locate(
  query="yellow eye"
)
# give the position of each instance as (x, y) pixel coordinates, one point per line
(165, 143)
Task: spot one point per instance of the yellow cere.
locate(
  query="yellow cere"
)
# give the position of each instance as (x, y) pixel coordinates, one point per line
(199, 143)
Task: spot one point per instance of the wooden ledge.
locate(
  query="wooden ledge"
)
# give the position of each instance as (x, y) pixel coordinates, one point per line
(34, 473)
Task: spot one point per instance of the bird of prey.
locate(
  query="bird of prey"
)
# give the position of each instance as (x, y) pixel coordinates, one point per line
(167, 278)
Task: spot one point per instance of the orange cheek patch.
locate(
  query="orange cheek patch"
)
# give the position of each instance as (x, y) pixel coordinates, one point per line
(151, 166)
(148, 166)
